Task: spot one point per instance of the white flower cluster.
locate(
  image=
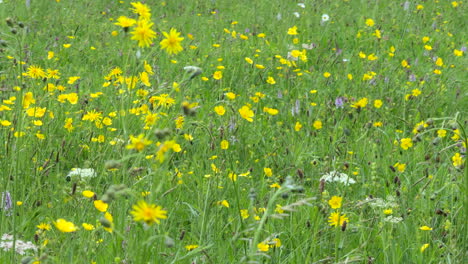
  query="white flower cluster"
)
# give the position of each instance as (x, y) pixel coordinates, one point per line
(335, 176)
(6, 243)
(81, 173)
(381, 203)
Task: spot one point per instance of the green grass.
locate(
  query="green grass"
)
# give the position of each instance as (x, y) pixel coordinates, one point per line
(191, 181)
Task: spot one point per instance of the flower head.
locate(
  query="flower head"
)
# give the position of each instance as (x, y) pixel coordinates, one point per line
(336, 219)
(143, 33)
(64, 226)
(148, 213)
(335, 202)
(172, 42)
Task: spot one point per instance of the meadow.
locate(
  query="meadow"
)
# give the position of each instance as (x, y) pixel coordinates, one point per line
(233, 131)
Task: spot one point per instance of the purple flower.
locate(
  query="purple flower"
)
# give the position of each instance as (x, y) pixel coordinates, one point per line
(339, 102)
(7, 204)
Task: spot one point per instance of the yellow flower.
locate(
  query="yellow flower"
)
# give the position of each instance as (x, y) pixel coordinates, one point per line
(217, 75)
(100, 205)
(142, 10)
(125, 22)
(270, 111)
(271, 80)
(457, 160)
(378, 103)
(423, 247)
(292, 31)
(361, 103)
(264, 247)
(88, 227)
(138, 143)
(317, 124)
(370, 22)
(326, 74)
(400, 166)
(336, 219)
(244, 213)
(425, 228)
(388, 211)
(246, 113)
(191, 247)
(224, 144)
(335, 202)
(36, 111)
(64, 226)
(44, 226)
(88, 194)
(406, 143)
(223, 203)
(268, 172)
(143, 33)
(298, 126)
(148, 213)
(172, 42)
(441, 133)
(231, 95)
(220, 110)
(248, 60)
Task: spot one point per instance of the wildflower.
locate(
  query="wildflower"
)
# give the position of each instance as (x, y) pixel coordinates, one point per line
(317, 124)
(69, 124)
(297, 126)
(370, 22)
(400, 166)
(270, 111)
(224, 144)
(292, 31)
(172, 42)
(244, 213)
(143, 33)
(220, 110)
(423, 247)
(138, 143)
(335, 219)
(268, 172)
(246, 113)
(6, 243)
(36, 111)
(262, 246)
(326, 74)
(142, 10)
(87, 226)
(360, 104)
(388, 211)
(148, 213)
(101, 206)
(335, 202)
(335, 176)
(92, 116)
(217, 75)
(88, 194)
(125, 22)
(325, 18)
(81, 173)
(35, 72)
(271, 80)
(28, 99)
(191, 247)
(406, 143)
(378, 103)
(223, 203)
(457, 160)
(44, 226)
(441, 133)
(64, 226)
(107, 222)
(425, 228)
(458, 53)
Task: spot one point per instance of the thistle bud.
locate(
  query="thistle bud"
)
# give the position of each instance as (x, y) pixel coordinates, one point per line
(9, 21)
(169, 242)
(13, 31)
(112, 164)
(21, 24)
(105, 223)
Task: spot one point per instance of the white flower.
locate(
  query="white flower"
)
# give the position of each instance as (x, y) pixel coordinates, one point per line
(325, 18)
(20, 246)
(82, 173)
(297, 14)
(301, 5)
(335, 176)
